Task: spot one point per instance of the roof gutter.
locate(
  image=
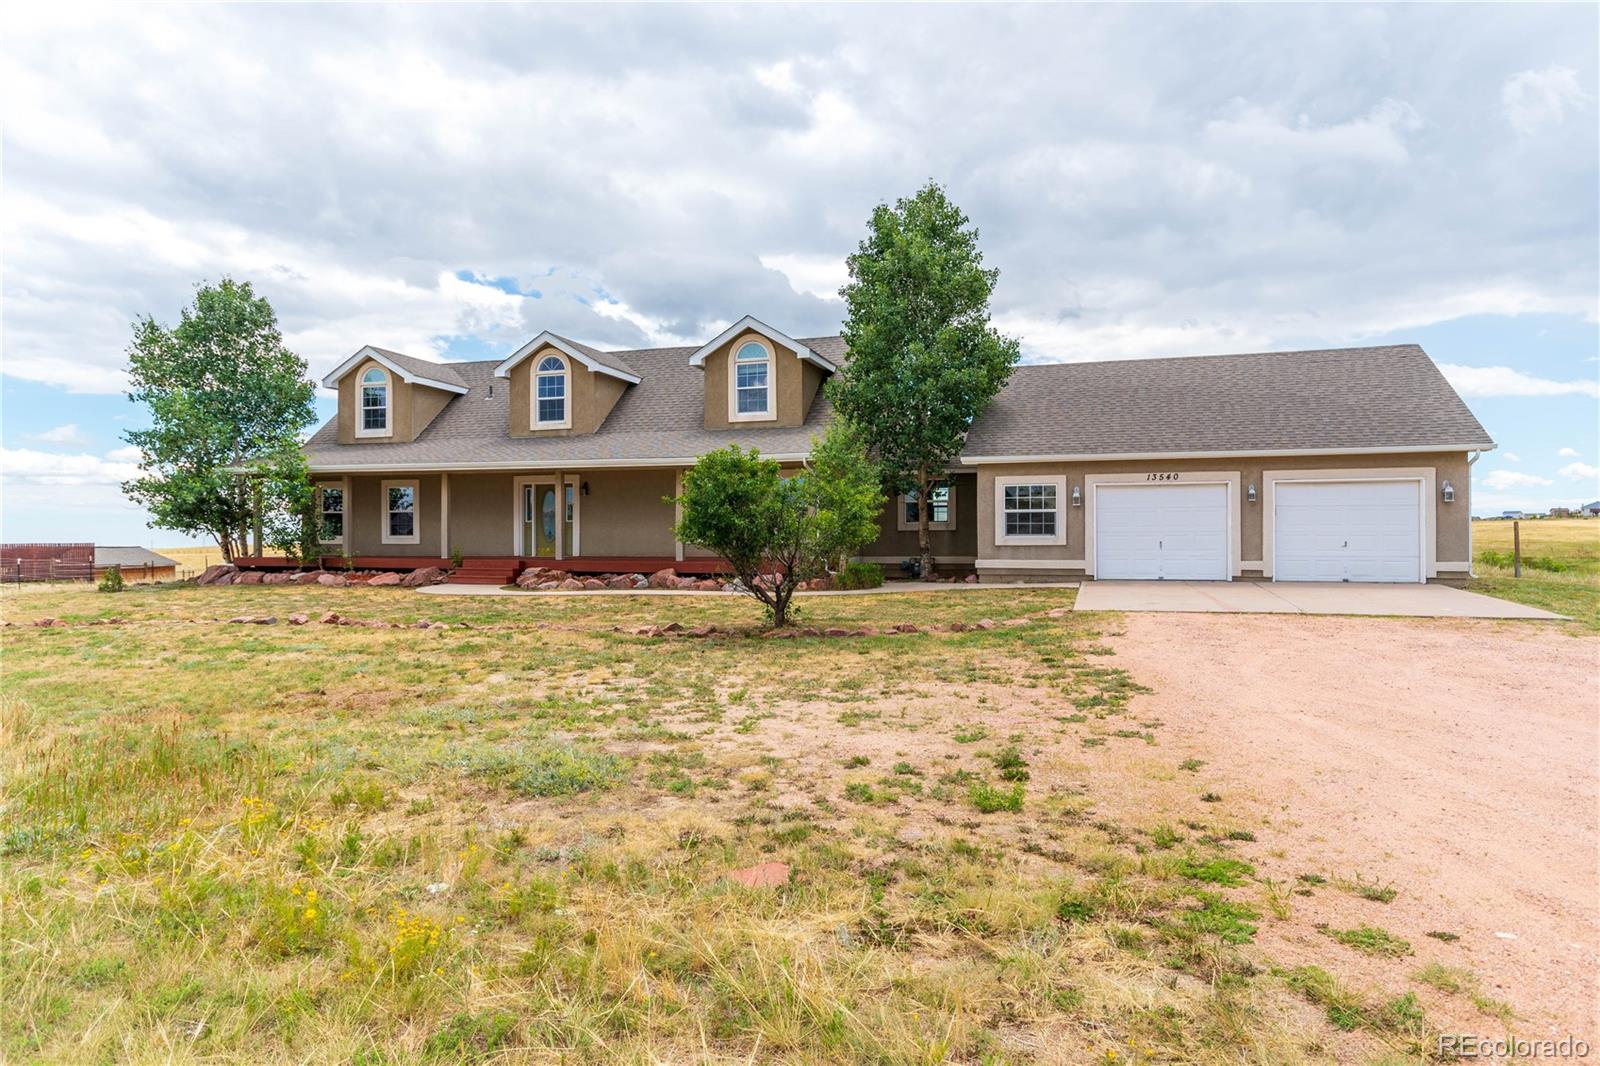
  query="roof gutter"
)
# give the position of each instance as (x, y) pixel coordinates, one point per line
(527, 465)
(1103, 457)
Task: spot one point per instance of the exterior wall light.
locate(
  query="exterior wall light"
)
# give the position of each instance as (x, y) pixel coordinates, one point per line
(1449, 492)
(1077, 496)
(1250, 493)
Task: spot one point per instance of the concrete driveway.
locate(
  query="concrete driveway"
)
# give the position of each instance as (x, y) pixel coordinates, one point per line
(1297, 597)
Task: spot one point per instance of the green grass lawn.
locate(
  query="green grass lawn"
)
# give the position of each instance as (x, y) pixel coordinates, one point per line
(507, 840)
(1560, 571)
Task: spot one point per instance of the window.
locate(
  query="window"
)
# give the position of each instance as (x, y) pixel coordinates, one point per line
(330, 505)
(1028, 510)
(400, 512)
(374, 414)
(550, 393)
(941, 512)
(751, 399)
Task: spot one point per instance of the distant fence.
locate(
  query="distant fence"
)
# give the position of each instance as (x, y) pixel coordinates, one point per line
(47, 562)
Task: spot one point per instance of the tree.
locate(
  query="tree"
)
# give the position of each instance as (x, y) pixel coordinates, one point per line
(223, 392)
(924, 360)
(777, 531)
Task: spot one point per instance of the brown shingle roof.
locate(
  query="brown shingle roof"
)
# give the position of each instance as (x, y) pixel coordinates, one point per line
(1342, 398)
(445, 372)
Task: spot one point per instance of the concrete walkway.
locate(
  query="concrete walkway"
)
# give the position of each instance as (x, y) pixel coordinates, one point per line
(887, 588)
(1297, 597)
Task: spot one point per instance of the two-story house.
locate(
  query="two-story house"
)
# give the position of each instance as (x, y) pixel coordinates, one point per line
(1341, 465)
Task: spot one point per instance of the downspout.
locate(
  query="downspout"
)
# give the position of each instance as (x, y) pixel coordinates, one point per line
(1472, 560)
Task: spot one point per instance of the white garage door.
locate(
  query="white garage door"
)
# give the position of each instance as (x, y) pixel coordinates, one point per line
(1347, 531)
(1154, 532)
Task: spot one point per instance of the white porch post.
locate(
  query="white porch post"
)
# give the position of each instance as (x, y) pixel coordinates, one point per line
(444, 515)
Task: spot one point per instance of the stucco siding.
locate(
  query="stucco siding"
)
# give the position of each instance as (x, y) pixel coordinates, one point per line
(627, 513)
(365, 517)
(590, 397)
(787, 384)
(481, 510)
(411, 407)
(959, 545)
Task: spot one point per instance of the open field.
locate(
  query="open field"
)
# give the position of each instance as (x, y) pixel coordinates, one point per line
(510, 841)
(1560, 571)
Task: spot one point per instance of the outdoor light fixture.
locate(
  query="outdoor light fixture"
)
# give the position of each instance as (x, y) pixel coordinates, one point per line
(585, 488)
(1449, 492)
(1250, 493)
(1077, 496)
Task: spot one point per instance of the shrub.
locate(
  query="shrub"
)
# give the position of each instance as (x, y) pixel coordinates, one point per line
(989, 799)
(858, 576)
(111, 580)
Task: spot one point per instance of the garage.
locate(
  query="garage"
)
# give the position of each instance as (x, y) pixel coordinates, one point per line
(1347, 531)
(1161, 532)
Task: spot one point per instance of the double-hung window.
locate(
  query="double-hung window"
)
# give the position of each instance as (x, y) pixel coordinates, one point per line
(400, 512)
(1028, 510)
(374, 414)
(550, 393)
(752, 382)
(941, 514)
(330, 505)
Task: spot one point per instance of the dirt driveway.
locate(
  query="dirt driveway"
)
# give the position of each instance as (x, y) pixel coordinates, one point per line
(1455, 760)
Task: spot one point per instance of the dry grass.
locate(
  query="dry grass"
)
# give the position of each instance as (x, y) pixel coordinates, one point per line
(1561, 565)
(509, 841)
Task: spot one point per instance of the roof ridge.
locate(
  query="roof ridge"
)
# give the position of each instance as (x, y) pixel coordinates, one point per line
(1223, 355)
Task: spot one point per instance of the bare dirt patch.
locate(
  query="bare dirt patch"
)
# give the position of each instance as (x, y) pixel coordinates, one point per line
(1457, 762)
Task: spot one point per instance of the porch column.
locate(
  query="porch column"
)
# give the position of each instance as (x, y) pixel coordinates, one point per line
(677, 513)
(444, 515)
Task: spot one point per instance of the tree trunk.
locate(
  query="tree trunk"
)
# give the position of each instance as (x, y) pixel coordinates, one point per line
(924, 540)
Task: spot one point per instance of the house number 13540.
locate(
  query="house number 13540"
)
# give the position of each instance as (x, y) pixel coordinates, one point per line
(1161, 477)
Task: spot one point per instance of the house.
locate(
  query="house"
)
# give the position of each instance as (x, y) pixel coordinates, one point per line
(137, 564)
(1512, 514)
(1590, 508)
(1340, 465)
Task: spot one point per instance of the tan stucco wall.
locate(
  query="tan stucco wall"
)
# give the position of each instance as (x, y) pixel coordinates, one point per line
(959, 544)
(789, 386)
(411, 407)
(482, 507)
(626, 513)
(365, 515)
(591, 397)
(1451, 521)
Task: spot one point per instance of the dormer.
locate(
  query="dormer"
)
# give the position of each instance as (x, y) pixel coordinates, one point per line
(561, 388)
(756, 376)
(389, 398)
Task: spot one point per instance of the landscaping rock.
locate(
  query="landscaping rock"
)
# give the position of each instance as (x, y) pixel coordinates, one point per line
(571, 584)
(44, 623)
(672, 627)
(971, 579)
(249, 577)
(307, 578)
(332, 580)
(1012, 623)
(664, 579)
(329, 618)
(428, 575)
(621, 581)
(385, 580)
(210, 574)
(298, 619)
(907, 627)
(835, 631)
(282, 577)
(708, 585)
(593, 583)
(986, 623)
(766, 875)
(702, 631)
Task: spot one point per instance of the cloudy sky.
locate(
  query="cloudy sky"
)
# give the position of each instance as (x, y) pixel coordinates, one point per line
(449, 181)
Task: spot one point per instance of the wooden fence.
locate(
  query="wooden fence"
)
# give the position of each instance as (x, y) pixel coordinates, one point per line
(47, 562)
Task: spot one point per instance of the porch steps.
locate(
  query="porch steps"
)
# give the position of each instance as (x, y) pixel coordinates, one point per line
(486, 572)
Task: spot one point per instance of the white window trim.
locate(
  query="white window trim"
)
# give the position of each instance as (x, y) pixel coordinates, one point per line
(565, 422)
(416, 511)
(910, 527)
(771, 413)
(1003, 483)
(388, 404)
(344, 514)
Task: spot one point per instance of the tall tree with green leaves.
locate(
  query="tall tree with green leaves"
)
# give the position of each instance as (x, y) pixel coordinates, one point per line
(777, 530)
(924, 359)
(224, 393)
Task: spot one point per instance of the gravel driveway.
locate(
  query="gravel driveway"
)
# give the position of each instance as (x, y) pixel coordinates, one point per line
(1456, 760)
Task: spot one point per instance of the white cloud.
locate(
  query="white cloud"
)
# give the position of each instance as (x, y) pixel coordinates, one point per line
(1537, 98)
(1500, 480)
(1508, 381)
(1580, 472)
(64, 434)
(817, 275)
(84, 487)
(1378, 136)
(1511, 457)
(1567, 453)
(26, 466)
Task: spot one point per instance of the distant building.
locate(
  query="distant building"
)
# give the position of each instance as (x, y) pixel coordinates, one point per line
(46, 562)
(1590, 508)
(1512, 514)
(1561, 512)
(137, 564)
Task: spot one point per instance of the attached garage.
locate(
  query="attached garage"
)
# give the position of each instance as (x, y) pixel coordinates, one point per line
(1154, 532)
(1348, 531)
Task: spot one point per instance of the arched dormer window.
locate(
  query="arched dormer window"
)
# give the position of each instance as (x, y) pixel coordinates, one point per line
(551, 379)
(750, 382)
(373, 419)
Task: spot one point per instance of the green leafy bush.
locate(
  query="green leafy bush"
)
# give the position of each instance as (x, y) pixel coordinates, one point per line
(111, 580)
(989, 799)
(859, 576)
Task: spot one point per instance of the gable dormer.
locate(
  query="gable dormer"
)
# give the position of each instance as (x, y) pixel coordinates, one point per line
(756, 376)
(389, 398)
(560, 388)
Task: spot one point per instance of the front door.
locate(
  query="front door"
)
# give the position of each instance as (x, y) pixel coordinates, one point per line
(539, 518)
